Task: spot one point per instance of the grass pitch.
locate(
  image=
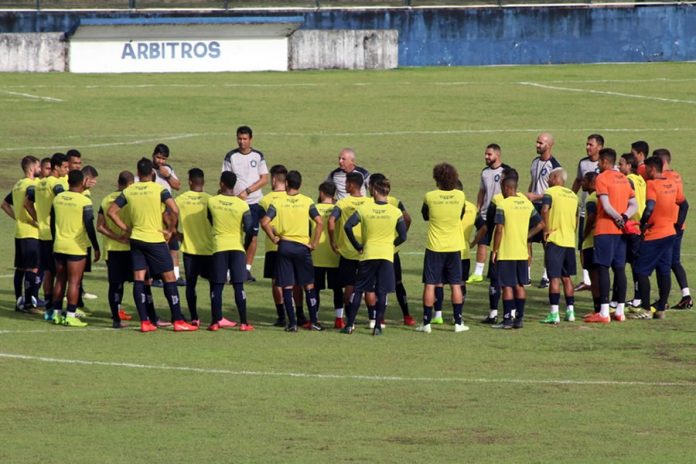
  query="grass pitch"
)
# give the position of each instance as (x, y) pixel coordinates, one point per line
(574, 393)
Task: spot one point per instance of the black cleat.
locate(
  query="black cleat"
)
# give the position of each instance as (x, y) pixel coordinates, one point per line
(377, 330)
(117, 325)
(517, 323)
(490, 320)
(544, 283)
(291, 328)
(506, 324)
(301, 321)
(347, 330)
(316, 327)
(279, 323)
(685, 303)
(249, 277)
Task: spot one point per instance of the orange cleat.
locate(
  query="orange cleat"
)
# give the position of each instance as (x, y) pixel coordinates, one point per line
(307, 325)
(409, 321)
(147, 326)
(124, 316)
(214, 327)
(597, 318)
(616, 318)
(183, 326)
(339, 323)
(246, 327)
(226, 323)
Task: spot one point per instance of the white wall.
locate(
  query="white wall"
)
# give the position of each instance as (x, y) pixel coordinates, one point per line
(344, 49)
(37, 52)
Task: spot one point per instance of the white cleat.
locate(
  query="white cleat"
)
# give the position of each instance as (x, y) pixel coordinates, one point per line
(425, 328)
(460, 328)
(371, 324)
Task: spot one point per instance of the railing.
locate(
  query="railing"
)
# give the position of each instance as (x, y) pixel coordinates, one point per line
(234, 4)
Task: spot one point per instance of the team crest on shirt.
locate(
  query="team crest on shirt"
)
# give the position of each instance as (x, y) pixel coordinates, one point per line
(544, 172)
(596, 169)
(496, 178)
(252, 163)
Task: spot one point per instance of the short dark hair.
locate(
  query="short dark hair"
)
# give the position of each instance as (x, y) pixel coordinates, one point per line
(631, 160)
(45, 160)
(494, 146)
(608, 153)
(28, 161)
(245, 130)
(590, 176)
(663, 154)
(445, 176)
(511, 173)
(196, 175)
(90, 171)
(655, 162)
(598, 138)
(125, 178)
(376, 177)
(381, 186)
(75, 178)
(509, 181)
(355, 178)
(228, 179)
(144, 167)
(278, 171)
(73, 153)
(161, 149)
(641, 146)
(294, 180)
(57, 159)
(328, 188)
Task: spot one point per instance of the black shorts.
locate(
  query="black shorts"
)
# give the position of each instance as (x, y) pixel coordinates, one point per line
(655, 255)
(632, 248)
(397, 267)
(47, 262)
(154, 257)
(197, 265)
(466, 267)
(486, 239)
(347, 271)
(588, 259)
(326, 277)
(512, 272)
(442, 267)
(174, 244)
(256, 214)
(375, 275)
(26, 253)
(270, 262)
(559, 261)
(64, 258)
(88, 264)
(610, 250)
(294, 264)
(539, 237)
(119, 266)
(232, 261)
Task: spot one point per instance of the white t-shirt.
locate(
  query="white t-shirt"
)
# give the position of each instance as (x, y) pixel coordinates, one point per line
(249, 168)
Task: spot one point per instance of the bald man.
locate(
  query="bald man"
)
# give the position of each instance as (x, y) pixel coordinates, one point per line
(346, 165)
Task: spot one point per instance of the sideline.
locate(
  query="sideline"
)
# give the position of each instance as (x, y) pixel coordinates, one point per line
(607, 92)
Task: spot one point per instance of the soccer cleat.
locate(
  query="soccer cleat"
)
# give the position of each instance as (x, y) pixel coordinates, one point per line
(339, 323)
(474, 278)
(371, 324)
(316, 327)
(543, 283)
(506, 324)
(460, 328)
(214, 327)
(347, 330)
(425, 328)
(409, 321)
(569, 315)
(613, 304)
(279, 323)
(225, 323)
(161, 324)
(551, 318)
(124, 316)
(437, 320)
(685, 303)
(157, 283)
(180, 282)
(57, 318)
(147, 326)
(118, 325)
(597, 318)
(618, 318)
(382, 324)
(183, 326)
(635, 303)
(638, 313)
(517, 323)
(196, 322)
(301, 321)
(307, 325)
(89, 296)
(291, 328)
(582, 286)
(246, 328)
(80, 313)
(489, 320)
(377, 331)
(528, 283)
(249, 277)
(659, 315)
(48, 315)
(73, 322)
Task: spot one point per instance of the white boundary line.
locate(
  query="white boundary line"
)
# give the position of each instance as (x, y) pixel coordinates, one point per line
(33, 97)
(378, 378)
(606, 92)
(111, 144)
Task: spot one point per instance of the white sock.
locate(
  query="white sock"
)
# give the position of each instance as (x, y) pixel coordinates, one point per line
(493, 313)
(545, 276)
(570, 308)
(71, 314)
(604, 310)
(479, 268)
(685, 292)
(177, 273)
(586, 277)
(619, 309)
(438, 314)
(339, 313)
(636, 302)
(513, 313)
(554, 309)
(529, 271)
(248, 266)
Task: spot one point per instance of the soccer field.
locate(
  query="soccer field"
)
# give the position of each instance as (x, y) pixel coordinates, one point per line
(571, 393)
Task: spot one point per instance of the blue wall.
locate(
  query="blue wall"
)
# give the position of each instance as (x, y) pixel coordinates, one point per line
(488, 36)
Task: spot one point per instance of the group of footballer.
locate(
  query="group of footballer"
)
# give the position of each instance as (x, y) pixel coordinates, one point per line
(631, 210)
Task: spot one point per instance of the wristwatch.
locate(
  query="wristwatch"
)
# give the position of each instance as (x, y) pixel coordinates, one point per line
(248, 192)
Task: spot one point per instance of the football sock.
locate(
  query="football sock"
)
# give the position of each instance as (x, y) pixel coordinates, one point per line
(312, 304)
(29, 287)
(478, 270)
(192, 296)
(216, 302)
(240, 301)
(664, 289)
(372, 312)
(621, 284)
(570, 303)
(493, 298)
(457, 310)
(554, 299)
(439, 297)
(685, 291)
(381, 308)
(150, 305)
(427, 314)
(402, 298)
(586, 277)
(171, 292)
(280, 311)
(354, 307)
(338, 299)
(438, 314)
(289, 306)
(140, 300)
(115, 295)
(519, 306)
(508, 306)
(18, 283)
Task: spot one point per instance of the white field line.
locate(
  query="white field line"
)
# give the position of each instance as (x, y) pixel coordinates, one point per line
(109, 144)
(377, 378)
(32, 97)
(607, 92)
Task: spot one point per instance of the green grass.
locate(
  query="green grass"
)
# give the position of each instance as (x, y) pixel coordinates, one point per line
(572, 393)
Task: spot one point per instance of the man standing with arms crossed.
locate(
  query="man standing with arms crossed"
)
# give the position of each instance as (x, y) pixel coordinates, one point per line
(251, 170)
(346, 165)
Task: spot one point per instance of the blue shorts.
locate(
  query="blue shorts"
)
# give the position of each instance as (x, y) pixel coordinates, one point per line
(486, 239)
(64, 258)
(119, 266)
(47, 262)
(512, 273)
(610, 250)
(347, 271)
(588, 259)
(559, 261)
(257, 213)
(198, 265)
(676, 249)
(174, 244)
(154, 257)
(26, 253)
(326, 277)
(294, 265)
(269, 264)
(375, 275)
(232, 261)
(442, 267)
(655, 255)
(632, 248)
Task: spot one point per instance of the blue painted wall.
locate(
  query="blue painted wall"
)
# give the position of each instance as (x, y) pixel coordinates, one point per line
(488, 36)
